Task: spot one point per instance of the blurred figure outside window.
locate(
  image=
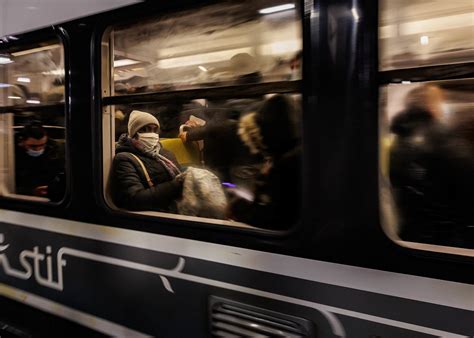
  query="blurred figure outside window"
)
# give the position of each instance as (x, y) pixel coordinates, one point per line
(430, 172)
(275, 201)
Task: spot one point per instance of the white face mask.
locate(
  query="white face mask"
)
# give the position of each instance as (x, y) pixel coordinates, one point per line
(35, 153)
(148, 140)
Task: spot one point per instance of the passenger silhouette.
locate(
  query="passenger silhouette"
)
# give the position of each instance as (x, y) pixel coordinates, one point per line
(38, 160)
(431, 176)
(271, 132)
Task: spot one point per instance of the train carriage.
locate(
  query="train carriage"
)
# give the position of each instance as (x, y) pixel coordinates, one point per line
(338, 258)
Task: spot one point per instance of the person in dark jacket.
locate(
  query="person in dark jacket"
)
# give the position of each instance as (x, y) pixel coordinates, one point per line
(430, 176)
(275, 201)
(38, 160)
(144, 175)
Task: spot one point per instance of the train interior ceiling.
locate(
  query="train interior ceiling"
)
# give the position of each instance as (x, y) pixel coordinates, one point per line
(170, 53)
(196, 49)
(419, 33)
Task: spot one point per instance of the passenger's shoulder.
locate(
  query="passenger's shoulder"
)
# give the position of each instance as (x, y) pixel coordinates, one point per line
(123, 156)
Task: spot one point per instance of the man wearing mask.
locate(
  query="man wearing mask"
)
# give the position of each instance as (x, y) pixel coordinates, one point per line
(38, 160)
(144, 175)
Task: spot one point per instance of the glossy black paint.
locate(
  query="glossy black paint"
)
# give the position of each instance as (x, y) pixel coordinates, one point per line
(138, 299)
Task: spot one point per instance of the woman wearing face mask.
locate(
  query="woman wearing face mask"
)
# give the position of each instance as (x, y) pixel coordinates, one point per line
(144, 175)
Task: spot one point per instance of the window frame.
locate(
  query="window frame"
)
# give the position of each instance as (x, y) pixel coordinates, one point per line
(24, 41)
(423, 74)
(105, 100)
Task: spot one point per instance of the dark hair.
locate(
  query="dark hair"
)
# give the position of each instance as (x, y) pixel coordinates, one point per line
(277, 125)
(33, 129)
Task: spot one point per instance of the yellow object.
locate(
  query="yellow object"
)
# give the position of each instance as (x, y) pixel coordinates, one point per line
(186, 153)
(386, 144)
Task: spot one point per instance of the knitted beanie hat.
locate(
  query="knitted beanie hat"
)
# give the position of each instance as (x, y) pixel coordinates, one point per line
(139, 119)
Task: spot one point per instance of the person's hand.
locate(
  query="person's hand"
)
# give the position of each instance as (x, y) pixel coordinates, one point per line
(191, 123)
(183, 132)
(183, 136)
(41, 190)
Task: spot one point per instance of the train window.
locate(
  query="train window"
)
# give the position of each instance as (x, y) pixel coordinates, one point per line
(425, 32)
(201, 119)
(427, 134)
(428, 160)
(32, 131)
(215, 46)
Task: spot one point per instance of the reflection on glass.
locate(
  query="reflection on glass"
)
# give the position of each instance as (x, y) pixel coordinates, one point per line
(219, 157)
(427, 157)
(32, 76)
(229, 43)
(230, 159)
(415, 33)
(32, 144)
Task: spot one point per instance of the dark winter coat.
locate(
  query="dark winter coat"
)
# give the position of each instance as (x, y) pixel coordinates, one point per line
(277, 196)
(432, 182)
(272, 133)
(32, 172)
(128, 184)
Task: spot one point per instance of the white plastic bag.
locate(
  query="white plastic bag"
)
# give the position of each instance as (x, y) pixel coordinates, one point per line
(202, 195)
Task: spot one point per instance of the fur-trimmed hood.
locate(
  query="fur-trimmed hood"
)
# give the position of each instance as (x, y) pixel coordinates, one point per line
(270, 131)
